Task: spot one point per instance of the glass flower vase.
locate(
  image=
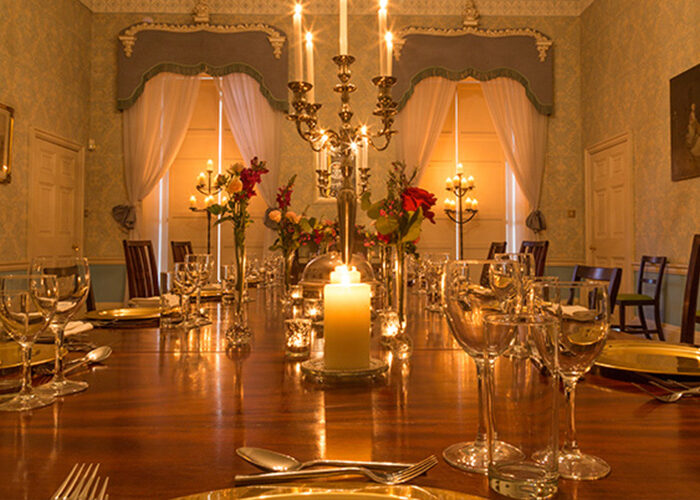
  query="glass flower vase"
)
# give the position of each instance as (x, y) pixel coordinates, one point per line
(239, 261)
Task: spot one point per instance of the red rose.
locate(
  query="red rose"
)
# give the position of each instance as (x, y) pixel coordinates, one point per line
(413, 198)
(385, 238)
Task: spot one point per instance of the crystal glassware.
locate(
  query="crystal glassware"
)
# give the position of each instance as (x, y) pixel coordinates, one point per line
(582, 309)
(297, 338)
(73, 280)
(185, 285)
(200, 269)
(27, 304)
(467, 302)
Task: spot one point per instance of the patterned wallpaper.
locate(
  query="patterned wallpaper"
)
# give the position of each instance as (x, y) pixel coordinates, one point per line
(44, 76)
(563, 187)
(407, 7)
(630, 49)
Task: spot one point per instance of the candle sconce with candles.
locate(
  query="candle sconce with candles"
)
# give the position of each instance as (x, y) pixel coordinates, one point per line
(206, 185)
(462, 209)
(349, 142)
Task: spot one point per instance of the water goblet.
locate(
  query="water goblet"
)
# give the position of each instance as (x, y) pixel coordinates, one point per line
(73, 280)
(185, 285)
(200, 269)
(467, 302)
(27, 304)
(583, 312)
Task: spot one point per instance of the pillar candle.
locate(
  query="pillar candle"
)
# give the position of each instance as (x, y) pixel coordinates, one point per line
(346, 321)
(343, 27)
(298, 67)
(381, 24)
(389, 52)
(310, 64)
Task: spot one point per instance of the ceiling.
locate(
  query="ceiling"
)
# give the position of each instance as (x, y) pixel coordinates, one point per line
(411, 7)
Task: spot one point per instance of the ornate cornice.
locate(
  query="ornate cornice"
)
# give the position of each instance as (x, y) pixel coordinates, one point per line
(542, 42)
(128, 36)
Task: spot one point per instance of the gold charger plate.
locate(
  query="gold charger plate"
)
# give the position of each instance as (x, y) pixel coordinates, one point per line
(322, 491)
(11, 357)
(125, 313)
(651, 357)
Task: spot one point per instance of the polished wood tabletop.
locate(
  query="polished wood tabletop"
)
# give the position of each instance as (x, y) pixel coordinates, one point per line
(167, 411)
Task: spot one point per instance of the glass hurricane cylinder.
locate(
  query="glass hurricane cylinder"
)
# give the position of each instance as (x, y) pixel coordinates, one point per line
(395, 281)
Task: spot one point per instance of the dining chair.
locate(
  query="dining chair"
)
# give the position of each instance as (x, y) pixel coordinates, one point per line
(691, 315)
(539, 250)
(613, 275)
(651, 272)
(141, 270)
(180, 250)
(496, 247)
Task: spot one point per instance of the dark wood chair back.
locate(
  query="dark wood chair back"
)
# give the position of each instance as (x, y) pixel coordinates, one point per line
(613, 275)
(141, 271)
(539, 251)
(690, 300)
(67, 271)
(180, 250)
(657, 264)
(496, 247)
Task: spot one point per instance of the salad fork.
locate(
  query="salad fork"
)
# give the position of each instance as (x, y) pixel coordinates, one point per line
(672, 396)
(82, 483)
(389, 478)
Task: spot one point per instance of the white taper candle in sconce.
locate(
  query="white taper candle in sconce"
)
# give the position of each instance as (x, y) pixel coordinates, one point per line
(210, 165)
(201, 178)
(364, 163)
(470, 181)
(381, 25)
(346, 321)
(389, 38)
(343, 27)
(475, 204)
(310, 64)
(193, 201)
(448, 183)
(460, 168)
(298, 64)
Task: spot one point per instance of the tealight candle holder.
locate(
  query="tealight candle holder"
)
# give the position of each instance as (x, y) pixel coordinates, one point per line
(297, 338)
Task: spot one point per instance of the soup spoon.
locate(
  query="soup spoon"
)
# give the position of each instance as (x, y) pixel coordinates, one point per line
(97, 355)
(279, 462)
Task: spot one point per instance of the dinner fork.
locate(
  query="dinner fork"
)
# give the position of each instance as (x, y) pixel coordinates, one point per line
(82, 483)
(671, 397)
(389, 478)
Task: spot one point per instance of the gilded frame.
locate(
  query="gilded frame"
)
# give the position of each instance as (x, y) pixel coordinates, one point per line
(7, 125)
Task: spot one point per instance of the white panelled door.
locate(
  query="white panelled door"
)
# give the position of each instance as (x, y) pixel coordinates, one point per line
(55, 197)
(609, 206)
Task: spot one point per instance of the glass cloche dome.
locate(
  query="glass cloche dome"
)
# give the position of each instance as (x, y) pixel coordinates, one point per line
(317, 272)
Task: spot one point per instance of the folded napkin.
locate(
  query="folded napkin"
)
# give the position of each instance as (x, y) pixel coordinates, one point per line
(75, 327)
(172, 301)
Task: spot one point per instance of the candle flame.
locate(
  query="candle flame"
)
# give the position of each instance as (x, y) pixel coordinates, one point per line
(309, 37)
(389, 37)
(297, 9)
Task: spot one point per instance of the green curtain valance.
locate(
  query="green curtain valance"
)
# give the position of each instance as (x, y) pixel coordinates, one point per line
(148, 52)
(525, 56)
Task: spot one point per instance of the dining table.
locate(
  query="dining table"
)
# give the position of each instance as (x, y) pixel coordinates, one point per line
(166, 412)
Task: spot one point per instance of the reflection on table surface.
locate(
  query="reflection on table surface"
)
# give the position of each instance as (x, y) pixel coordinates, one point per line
(167, 411)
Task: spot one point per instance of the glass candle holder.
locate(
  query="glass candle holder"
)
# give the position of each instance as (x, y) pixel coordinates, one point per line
(390, 326)
(297, 338)
(313, 309)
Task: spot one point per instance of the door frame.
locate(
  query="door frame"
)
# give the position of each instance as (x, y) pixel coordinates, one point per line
(626, 139)
(36, 135)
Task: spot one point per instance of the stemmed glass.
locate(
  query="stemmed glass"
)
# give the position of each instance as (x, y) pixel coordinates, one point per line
(200, 269)
(73, 280)
(467, 302)
(27, 304)
(583, 312)
(185, 285)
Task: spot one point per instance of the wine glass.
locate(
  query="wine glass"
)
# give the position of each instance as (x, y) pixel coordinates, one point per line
(73, 280)
(583, 312)
(185, 285)
(27, 304)
(434, 273)
(467, 302)
(200, 269)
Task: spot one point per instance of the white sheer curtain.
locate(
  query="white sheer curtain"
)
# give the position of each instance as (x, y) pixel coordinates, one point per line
(522, 132)
(256, 126)
(420, 122)
(154, 128)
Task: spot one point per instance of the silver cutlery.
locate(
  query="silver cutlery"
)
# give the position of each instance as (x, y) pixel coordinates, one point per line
(82, 483)
(279, 462)
(672, 396)
(389, 478)
(96, 355)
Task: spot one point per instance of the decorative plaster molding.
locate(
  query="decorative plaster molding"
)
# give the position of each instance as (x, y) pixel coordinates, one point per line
(471, 14)
(542, 42)
(128, 36)
(407, 7)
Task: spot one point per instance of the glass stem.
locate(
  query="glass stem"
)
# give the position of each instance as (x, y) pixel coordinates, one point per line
(26, 369)
(185, 308)
(569, 393)
(481, 429)
(59, 333)
(198, 302)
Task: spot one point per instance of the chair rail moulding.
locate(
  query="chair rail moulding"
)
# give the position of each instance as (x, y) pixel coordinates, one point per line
(150, 48)
(521, 54)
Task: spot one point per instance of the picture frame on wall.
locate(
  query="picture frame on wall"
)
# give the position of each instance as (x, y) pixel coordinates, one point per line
(685, 124)
(7, 122)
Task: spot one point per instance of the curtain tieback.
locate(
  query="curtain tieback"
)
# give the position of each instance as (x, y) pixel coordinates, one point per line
(535, 221)
(125, 215)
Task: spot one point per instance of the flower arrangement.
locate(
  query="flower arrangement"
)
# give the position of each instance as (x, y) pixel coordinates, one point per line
(398, 216)
(239, 183)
